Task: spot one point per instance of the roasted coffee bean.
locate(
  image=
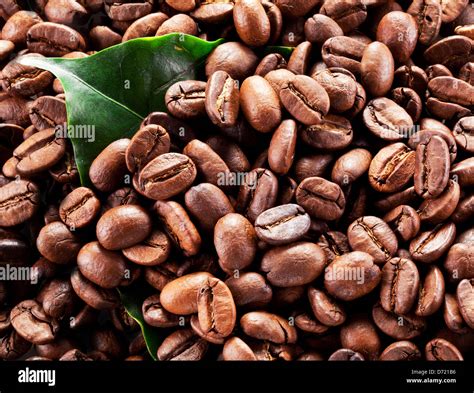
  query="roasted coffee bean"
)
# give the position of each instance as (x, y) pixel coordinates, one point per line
(234, 58)
(260, 104)
(300, 57)
(154, 250)
(459, 261)
(265, 326)
(334, 244)
(236, 349)
(332, 133)
(148, 143)
(392, 168)
(351, 166)
(30, 321)
(344, 52)
(441, 349)
(452, 315)
(281, 151)
(155, 315)
(282, 224)
(344, 354)
(399, 286)
(235, 242)
(425, 135)
(431, 293)
(428, 15)
(53, 39)
(17, 26)
(404, 221)
(320, 28)
(258, 193)
(351, 276)
(463, 133)
(57, 243)
(105, 268)
(93, 295)
(179, 23)
(216, 308)
(19, 201)
(167, 175)
(453, 52)
(409, 100)
(387, 120)
(79, 208)
(360, 335)
(251, 22)
(123, 227)
(465, 298)
(432, 165)
(377, 68)
(436, 210)
(249, 290)
(372, 235)
(39, 152)
(13, 346)
(58, 298)
(293, 265)
(179, 227)
(401, 350)
(108, 169)
(321, 198)
(182, 345)
(348, 14)
(186, 100)
(404, 327)
(222, 99)
(305, 99)
(462, 172)
(430, 245)
(325, 309)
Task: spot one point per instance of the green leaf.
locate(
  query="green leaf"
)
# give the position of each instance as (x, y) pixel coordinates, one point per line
(285, 51)
(132, 300)
(114, 89)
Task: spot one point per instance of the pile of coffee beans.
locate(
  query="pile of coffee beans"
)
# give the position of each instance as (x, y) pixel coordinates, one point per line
(312, 207)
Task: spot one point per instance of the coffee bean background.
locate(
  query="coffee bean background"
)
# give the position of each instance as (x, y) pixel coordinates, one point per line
(317, 207)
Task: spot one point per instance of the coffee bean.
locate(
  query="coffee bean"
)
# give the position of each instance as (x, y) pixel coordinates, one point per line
(344, 52)
(281, 151)
(235, 242)
(346, 355)
(431, 293)
(108, 169)
(123, 227)
(79, 208)
(282, 224)
(182, 345)
(305, 99)
(155, 315)
(372, 235)
(265, 326)
(148, 143)
(387, 120)
(430, 245)
(425, 135)
(399, 287)
(167, 175)
(465, 298)
(30, 322)
(440, 349)
(53, 39)
(360, 335)
(58, 298)
(260, 104)
(332, 133)
(320, 27)
(179, 23)
(401, 350)
(19, 201)
(234, 58)
(216, 308)
(57, 243)
(452, 315)
(186, 99)
(392, 168)
(463, 132)
(404, 327)
(321, 198)
(409, 100)
(236, 349)
(377, 68)
(251, 22)
(222, 99)
(459, 261)
(154, 250)
(436, 210)
(249, 290)
(325, 309)
(179, 227)
(348, 14)
(428, 16)
(351, 166)
(293, 265)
